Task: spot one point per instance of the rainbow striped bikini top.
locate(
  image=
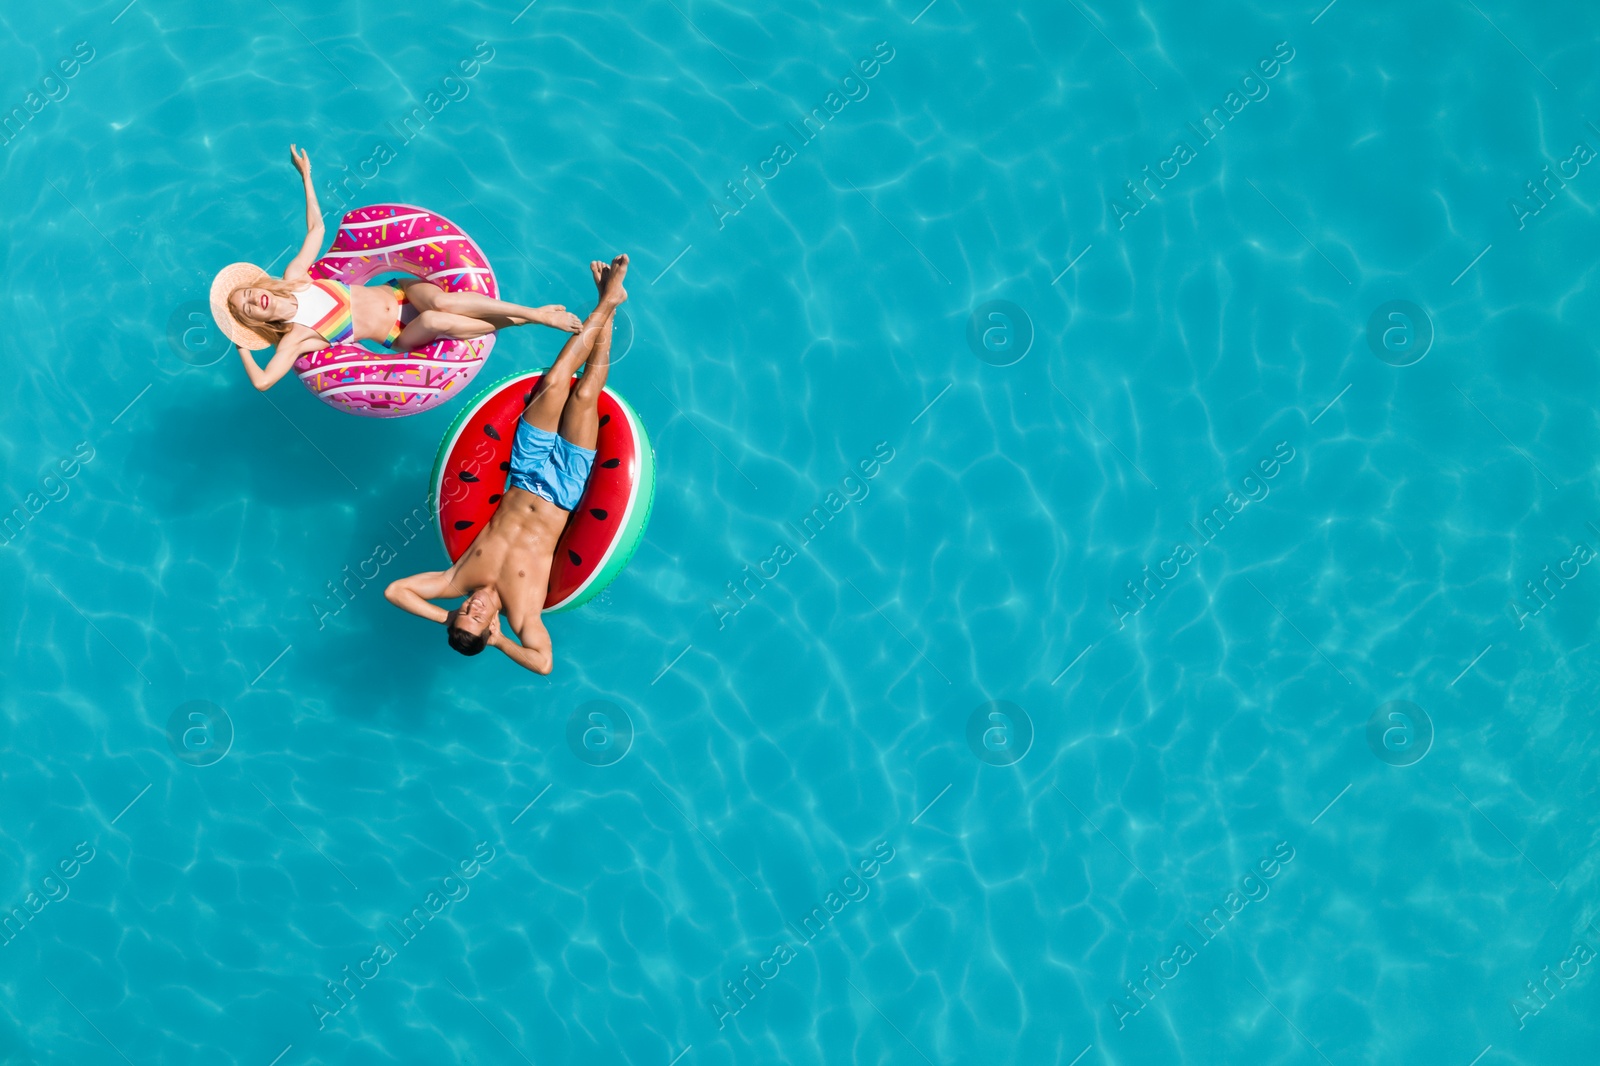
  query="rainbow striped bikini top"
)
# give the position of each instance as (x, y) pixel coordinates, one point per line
(325, 306)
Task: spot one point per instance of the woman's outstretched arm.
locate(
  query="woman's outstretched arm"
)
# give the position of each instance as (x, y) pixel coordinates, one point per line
(299, 265)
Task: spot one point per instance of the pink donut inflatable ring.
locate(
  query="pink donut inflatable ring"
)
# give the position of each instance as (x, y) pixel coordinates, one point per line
(389, 239)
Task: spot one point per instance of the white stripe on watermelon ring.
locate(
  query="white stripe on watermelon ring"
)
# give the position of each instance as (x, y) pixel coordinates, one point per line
(469, 478)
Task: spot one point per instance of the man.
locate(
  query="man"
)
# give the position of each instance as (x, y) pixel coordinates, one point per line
(507, 568)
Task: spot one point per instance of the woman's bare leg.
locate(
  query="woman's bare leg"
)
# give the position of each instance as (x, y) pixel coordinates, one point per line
(429, 326)
(549, 400)
(427, 296)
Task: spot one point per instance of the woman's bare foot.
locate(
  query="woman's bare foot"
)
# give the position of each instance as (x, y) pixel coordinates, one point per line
(558, 317)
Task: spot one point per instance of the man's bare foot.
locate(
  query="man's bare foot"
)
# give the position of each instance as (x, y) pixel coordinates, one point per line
(610, 282)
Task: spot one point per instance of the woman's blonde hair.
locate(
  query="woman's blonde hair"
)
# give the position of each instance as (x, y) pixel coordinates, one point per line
(278, 287)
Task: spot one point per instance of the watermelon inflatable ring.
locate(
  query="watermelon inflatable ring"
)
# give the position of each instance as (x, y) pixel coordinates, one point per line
(469, 477)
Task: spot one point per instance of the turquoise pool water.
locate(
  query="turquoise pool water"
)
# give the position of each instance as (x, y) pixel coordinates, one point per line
(908, 772)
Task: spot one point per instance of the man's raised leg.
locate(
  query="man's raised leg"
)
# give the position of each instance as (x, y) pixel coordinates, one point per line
(544, 409)
(580, 418)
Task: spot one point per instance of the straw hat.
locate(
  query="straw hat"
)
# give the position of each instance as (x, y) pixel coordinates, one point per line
(237, 276)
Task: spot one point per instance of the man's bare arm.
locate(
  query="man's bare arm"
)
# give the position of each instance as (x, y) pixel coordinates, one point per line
(413, 593)
(534, 653)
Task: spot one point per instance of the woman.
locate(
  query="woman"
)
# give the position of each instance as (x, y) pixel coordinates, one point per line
(300, 314)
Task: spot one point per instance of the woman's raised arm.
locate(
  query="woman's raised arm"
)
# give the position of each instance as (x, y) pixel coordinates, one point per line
(300, 264)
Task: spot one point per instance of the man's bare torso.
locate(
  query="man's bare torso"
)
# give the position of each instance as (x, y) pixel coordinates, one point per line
(513, 554)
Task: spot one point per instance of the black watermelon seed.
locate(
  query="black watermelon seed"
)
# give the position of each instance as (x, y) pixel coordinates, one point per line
(506, 465)
(467, 475)
(611, 463)
(598, 513)
(495, 498)
(576, 559)
(604, 419)
(493, 433)
(463, 524)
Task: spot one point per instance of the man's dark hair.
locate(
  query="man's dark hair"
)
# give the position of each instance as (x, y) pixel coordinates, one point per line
(468, 643)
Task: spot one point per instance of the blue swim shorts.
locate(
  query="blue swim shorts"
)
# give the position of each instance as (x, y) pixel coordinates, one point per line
(549, 465)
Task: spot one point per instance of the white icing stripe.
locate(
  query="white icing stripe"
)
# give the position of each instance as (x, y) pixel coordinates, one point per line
(437, 364)
(373, 253)
(458, 273)
(395, 220)
(378, 386)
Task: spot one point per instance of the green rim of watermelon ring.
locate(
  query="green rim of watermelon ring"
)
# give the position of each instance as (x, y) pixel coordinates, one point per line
(627, 542)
